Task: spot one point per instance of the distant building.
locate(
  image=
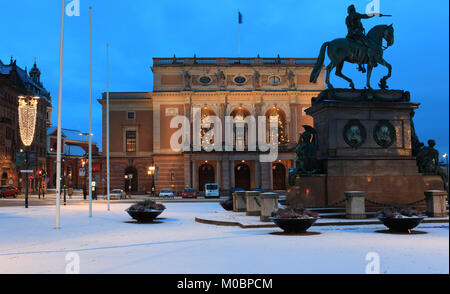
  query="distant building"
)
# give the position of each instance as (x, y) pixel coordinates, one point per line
(239, 87)
(15, 81)
(74, 156)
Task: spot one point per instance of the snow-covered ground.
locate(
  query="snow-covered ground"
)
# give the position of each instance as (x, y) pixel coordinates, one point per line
(110, 243)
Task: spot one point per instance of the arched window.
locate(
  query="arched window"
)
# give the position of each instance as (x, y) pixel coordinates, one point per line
(240, 139)
(205, 113)
(273, 114)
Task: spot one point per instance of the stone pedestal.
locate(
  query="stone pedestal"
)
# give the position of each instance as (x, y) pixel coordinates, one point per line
(239, 201)
(364, 144)
(269, 204)
(435, 201)
(355, 207)
(253, 203)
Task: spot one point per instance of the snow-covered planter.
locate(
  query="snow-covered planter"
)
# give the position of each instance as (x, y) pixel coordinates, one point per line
(400, 220)
(227, 204)
(294, 220)
(145, 211)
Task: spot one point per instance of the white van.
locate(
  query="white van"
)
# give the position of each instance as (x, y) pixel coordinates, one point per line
(212, 190)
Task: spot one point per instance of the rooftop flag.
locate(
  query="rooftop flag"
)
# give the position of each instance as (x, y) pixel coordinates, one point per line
(239, 17)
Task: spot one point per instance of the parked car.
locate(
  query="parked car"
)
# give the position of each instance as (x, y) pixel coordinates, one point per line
(212, 191)
(117, 194)
(166, 193)
(8, 191)
(189, 193)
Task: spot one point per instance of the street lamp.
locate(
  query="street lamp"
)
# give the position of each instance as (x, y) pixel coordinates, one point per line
(27, 125)
(151, 172)
(128, 179)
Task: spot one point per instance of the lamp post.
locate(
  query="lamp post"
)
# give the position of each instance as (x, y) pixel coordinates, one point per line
(84, 164)
(128, 179)
(27, 126)
(151, 172)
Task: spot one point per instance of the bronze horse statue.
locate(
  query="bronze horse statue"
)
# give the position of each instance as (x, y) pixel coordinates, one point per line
(343, 49)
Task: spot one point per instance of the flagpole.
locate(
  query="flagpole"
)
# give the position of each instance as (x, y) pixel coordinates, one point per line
(58, 144)
(90, 111)
(107, 126)
(239, 34)
(239, 40)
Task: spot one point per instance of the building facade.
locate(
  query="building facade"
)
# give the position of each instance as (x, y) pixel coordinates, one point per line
(74, 158)
(140, 123)
(14, 82)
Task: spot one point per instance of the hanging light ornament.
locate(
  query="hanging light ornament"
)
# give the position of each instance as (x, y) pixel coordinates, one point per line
(27, 118)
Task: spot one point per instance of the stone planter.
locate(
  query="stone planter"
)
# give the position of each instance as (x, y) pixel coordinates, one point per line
(239, 201)
(294, 225)
(269, 204)
(253, 203)
(403, 224)
(227, 204)
(144, 216)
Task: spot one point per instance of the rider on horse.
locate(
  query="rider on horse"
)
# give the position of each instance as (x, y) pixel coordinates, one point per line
(356, 33)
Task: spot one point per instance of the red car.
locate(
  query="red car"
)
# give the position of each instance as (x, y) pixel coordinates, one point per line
(189, 193)
(8, 191)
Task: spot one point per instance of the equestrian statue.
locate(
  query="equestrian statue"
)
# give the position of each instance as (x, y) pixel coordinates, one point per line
(357, 48)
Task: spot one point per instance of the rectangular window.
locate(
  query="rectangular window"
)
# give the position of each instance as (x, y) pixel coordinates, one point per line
(131, 115)
(130, 141)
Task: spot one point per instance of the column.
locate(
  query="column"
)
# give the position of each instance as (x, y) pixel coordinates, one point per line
(269, 164)
(156, 128)
(232, 174)
(264, 176)
(293, 123)
(194, 175)
(187, 173)
(219, 178)
(225, 175)
(257, 175)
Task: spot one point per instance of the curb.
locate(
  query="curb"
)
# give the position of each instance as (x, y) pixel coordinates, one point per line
(270, 225)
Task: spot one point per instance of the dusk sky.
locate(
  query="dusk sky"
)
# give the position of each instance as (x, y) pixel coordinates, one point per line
(139, 30)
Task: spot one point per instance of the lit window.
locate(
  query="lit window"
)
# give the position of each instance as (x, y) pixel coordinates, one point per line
(131, 141)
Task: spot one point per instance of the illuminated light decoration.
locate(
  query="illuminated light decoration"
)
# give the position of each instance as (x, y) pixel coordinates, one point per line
(307, 191)
(274, 116)
(27, 118)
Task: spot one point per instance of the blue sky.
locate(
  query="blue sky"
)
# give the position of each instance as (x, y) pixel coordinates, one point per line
(138, 30)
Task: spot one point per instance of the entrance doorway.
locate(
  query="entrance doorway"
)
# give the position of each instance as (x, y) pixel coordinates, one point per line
(4, 179)
(242, 176)
(205, 176)
(279, 176)
(131, 179)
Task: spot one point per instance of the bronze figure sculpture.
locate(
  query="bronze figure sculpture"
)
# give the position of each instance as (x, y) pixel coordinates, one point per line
(306, 159)
(356, 48)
